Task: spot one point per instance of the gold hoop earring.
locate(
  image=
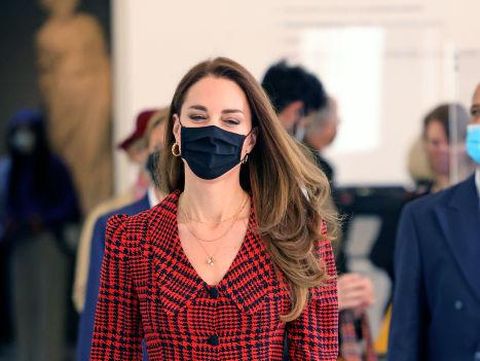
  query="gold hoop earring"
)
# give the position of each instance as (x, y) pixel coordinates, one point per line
(176, 150)
(245, 159)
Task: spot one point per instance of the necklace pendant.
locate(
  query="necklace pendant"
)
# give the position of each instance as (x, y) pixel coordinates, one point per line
(211, 261)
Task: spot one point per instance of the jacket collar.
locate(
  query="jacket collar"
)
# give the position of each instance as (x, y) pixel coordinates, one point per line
(250, 277)
(460, 221)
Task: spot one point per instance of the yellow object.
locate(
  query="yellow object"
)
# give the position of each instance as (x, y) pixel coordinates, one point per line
(381, 343)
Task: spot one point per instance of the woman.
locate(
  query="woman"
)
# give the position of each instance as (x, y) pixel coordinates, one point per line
(237, 256)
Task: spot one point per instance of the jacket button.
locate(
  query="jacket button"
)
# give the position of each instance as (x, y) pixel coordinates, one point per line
(213, 340)
(213, 291)
(458, 305)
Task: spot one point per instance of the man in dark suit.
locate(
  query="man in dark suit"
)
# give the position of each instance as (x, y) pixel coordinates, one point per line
(155, 136)
(436, 305)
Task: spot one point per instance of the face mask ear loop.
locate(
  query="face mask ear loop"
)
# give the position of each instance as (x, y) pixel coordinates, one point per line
(245, 159)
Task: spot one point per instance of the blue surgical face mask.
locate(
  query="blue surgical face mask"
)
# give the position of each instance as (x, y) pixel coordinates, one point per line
(23, 140)
(210, 151)
(473, 142)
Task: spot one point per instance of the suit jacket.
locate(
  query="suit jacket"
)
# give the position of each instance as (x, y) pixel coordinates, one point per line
(436, 305)
(149, 290)
(87, 317)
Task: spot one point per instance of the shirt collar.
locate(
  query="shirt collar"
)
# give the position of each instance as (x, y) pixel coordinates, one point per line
(152, 197)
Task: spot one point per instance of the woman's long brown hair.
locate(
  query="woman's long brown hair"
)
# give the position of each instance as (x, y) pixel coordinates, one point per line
(291, 195)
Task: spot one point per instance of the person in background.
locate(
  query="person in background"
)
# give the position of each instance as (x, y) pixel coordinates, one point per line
(40, 203)
(153, 138)
(430, 164)
(320, 132)
(302, 103)
(436, 303)
(419, 167)
(355, 291)
(295, 94)
(438, 127)
(136, 149)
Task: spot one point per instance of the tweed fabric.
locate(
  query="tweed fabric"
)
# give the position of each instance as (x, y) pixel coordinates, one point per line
(149, 290)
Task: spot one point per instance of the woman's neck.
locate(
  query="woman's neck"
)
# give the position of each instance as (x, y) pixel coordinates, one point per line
(212, 200)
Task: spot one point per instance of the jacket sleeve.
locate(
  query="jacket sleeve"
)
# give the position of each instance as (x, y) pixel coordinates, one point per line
(407, 329)
(87, 317)
(314, 335)
(118, 332)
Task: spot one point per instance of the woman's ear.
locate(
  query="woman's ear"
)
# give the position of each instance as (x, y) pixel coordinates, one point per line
(251, 140)
(177, 127)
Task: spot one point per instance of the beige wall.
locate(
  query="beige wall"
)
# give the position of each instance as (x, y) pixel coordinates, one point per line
(156, 42)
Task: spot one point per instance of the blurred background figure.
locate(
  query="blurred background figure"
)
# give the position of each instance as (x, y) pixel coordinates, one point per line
(355, 291)
(439, 126)
(295, 94)
(136, 149)
(153, 138)
(320, 132)
(419, 167)
(429, 165)
(74, 79)
(40, 203)
(307, 112)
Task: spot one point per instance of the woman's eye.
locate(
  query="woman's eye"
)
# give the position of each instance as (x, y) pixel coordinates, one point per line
(232, 121)
(198, 117)
(475, 112)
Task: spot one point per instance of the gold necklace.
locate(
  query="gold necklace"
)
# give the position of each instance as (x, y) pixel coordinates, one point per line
(223, 220)
(235, 218)
(210, 257)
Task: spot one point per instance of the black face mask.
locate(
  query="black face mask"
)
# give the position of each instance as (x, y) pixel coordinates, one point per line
(211, 151)
(152, 166)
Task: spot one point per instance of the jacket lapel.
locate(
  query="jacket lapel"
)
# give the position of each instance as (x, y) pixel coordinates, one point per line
(252, 275)
(460, 222)
(177, 280)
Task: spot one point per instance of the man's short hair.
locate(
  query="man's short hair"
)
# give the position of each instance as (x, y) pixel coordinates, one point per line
(285, 84)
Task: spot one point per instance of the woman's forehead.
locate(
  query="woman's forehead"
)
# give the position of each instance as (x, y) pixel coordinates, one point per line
(216, 94)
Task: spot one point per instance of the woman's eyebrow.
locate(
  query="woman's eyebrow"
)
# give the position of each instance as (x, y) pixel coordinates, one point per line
(198, 107)
(229, 111)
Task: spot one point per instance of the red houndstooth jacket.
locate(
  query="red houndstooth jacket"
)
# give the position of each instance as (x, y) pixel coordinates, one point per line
(150, 291)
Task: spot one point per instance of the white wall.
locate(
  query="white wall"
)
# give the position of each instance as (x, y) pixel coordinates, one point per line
(156, 42)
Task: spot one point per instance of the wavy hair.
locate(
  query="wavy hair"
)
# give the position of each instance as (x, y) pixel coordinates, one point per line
(291, 195)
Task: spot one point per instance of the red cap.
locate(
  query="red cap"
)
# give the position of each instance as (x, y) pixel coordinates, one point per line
(141, 126)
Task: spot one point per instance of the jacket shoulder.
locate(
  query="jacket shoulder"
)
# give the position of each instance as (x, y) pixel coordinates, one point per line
(428, 202)
(123, 231)
(134, 227)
